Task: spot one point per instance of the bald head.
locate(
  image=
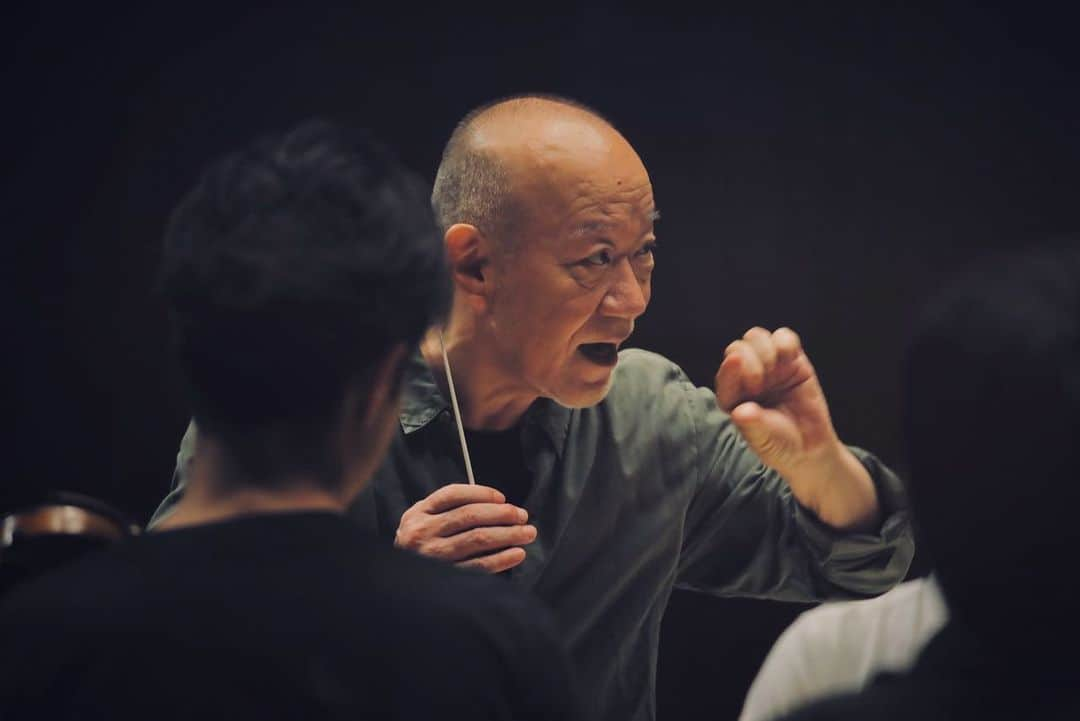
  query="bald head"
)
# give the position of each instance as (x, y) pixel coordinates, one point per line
(494, 145)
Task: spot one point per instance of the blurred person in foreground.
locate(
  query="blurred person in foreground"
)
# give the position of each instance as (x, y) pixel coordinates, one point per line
(299, 272)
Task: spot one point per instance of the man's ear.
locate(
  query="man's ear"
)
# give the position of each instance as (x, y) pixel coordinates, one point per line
(470, 254)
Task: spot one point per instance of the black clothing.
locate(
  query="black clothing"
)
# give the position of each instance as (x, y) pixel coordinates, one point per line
(499, 461)
(298, 615)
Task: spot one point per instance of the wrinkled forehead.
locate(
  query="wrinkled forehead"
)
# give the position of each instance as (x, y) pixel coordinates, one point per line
(587, 189)
(623, 220)
(563, 167)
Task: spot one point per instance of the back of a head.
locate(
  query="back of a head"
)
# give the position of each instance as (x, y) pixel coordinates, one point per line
(291, 269)
(993, 427)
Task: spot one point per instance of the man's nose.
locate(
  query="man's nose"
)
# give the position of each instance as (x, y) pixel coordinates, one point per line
(626, 296)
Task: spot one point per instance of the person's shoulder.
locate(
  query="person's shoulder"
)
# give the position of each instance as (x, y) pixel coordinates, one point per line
(481, 620)
(444, 592)
(476, 637)
(652, 393)
(102, 573)
(642, 365)
(643, 377)
(99, 591)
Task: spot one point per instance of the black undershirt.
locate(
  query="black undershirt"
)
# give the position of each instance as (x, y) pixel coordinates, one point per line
(499, 461)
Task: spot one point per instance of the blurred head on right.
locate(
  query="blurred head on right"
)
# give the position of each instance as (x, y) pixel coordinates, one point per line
(992, 421)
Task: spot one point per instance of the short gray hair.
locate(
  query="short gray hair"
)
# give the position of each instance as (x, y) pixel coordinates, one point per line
(470, 185)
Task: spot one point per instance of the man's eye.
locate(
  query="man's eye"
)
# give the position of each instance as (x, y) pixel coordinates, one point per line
(599, 258)
(647, 249)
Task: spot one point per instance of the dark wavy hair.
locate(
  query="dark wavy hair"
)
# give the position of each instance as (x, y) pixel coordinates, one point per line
(291, 269)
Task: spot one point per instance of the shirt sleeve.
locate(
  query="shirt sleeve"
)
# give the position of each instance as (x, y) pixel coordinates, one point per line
(805, 664)
(840, 647)
(179, 477)
(746, 535)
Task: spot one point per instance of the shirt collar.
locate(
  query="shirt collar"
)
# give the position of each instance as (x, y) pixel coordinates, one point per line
(421, 400)
(421, 403)
(552, 419)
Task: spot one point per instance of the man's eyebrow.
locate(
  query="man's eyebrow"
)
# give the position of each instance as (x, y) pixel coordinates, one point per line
(589, 227)
(595, 226)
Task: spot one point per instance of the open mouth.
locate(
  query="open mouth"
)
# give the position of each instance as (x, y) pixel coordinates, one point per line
(606, 354)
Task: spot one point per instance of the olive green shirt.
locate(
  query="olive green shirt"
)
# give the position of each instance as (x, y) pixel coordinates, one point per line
(651, 489)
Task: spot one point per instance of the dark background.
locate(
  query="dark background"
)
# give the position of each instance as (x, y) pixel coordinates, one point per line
(822, 169)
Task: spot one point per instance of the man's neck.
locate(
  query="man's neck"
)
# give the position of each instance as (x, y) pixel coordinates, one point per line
(211, 497)
(488, 396)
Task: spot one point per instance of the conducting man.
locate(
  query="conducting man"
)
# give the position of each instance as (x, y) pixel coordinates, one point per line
(605, 479)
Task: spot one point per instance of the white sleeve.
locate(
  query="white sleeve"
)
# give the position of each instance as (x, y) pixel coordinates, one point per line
(788, 678)
(840, 647)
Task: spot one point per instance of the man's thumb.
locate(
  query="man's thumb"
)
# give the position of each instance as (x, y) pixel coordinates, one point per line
(753, 423)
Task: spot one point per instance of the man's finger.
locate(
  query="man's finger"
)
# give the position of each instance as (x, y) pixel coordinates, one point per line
(460, 494)
(752, 377)
(475, 515)
(788, 344)
(741, 375)
(728, 386)
(480, 540)
(761, 341)
(496, 562)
